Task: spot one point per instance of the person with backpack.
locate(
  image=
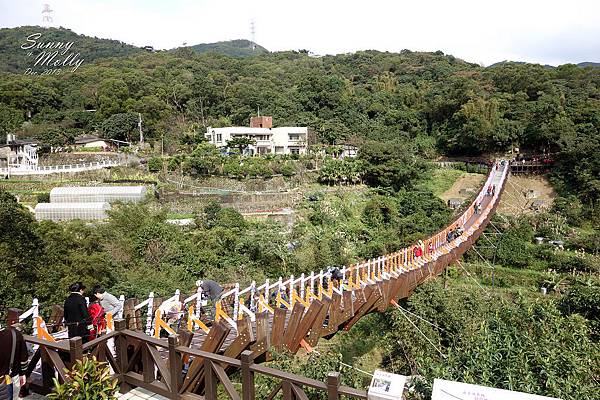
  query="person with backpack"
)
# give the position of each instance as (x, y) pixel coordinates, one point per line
(13, 360)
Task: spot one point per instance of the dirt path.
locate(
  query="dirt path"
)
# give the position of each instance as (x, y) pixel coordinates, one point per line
(464, 187)
(516, 199)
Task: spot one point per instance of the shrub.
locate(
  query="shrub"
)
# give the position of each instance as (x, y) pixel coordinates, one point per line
(88, 379)
(43, 197)
(584, 300)
(233, 169)
(155, 164)
(288, 169)
(568, 262)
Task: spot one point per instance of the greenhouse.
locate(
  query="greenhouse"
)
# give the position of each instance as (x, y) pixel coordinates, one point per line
(70, 211)
(96, 194)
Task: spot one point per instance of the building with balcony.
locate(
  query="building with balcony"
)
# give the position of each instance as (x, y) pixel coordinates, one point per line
(18, 154)
(267, 140)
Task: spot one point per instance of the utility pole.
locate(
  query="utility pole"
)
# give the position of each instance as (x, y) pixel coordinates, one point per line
(140, 127)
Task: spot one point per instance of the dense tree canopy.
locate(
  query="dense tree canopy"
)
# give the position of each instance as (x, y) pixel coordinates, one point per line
(433, 101)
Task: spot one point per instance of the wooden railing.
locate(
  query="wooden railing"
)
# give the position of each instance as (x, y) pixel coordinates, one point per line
(138, 360)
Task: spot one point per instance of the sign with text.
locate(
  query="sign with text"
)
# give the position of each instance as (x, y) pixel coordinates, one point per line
(449, 390)
(386, 386)
(49, 57)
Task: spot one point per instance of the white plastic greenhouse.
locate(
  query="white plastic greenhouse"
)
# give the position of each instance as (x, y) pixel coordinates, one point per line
(70, 211)
(95, 194)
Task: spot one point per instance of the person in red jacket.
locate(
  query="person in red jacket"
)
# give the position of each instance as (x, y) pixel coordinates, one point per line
(417, 251)
(98, 318)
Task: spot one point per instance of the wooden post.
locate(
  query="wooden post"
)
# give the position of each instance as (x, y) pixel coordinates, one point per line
(248, 389)
(287, 390)
(175, 366)
(333, 385)
(210, 381)
(75, 350)
(47, 369)
(148, 364)
(121, 350)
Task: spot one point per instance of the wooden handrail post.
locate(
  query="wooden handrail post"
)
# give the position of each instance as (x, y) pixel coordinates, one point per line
(333, 385)
(75, 350)
(121, 350)
(210, 381)
(175, 366)
(248, 388)
(288, 393)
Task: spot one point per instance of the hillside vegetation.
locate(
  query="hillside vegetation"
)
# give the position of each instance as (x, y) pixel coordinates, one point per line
(15, 59)
(430, 103)
(233, 48)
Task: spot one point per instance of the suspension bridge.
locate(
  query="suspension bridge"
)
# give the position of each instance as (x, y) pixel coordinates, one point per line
(252, 322)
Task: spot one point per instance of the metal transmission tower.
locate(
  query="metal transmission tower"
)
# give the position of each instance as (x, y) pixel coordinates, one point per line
(47, 13)
(253, 33)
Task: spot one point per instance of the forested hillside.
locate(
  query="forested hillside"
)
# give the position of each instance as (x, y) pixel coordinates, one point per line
(430, 101)
(234, 48)
(15, 58)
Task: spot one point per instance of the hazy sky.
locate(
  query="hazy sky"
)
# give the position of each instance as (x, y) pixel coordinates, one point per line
(545, 31)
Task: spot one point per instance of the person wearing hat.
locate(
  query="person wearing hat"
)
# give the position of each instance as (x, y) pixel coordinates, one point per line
(76, 314)
(211, 291)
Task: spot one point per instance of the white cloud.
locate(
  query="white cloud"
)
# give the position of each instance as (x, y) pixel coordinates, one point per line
(549, 31)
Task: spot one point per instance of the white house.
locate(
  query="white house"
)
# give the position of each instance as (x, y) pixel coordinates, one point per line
(267, 140)
(18, 154)
(93, 141)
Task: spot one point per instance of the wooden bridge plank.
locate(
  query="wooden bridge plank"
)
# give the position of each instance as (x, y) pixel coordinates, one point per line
(384, 288)
(317, 327)
(212, 343)
(348, 310)
(263, 341)
(364, 309)
(308, 322)
(244, 337)
(278, 328)
(292, 325)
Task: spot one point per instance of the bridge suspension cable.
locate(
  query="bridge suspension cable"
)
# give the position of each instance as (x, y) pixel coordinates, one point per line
(417, 328)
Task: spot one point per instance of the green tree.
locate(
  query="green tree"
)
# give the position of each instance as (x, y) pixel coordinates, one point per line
(10, 119)
(205, 159)
(390, 164)
(120, 126)
(240, 143)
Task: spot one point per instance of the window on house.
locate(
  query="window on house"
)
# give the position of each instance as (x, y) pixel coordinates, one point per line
(294, 150)
(294, 136)
(219, 137)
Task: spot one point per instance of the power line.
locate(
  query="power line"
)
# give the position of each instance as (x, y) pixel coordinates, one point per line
(417, 328)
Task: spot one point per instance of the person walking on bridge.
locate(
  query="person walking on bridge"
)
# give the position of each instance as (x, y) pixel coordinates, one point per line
(76, 314)
(211, 291)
